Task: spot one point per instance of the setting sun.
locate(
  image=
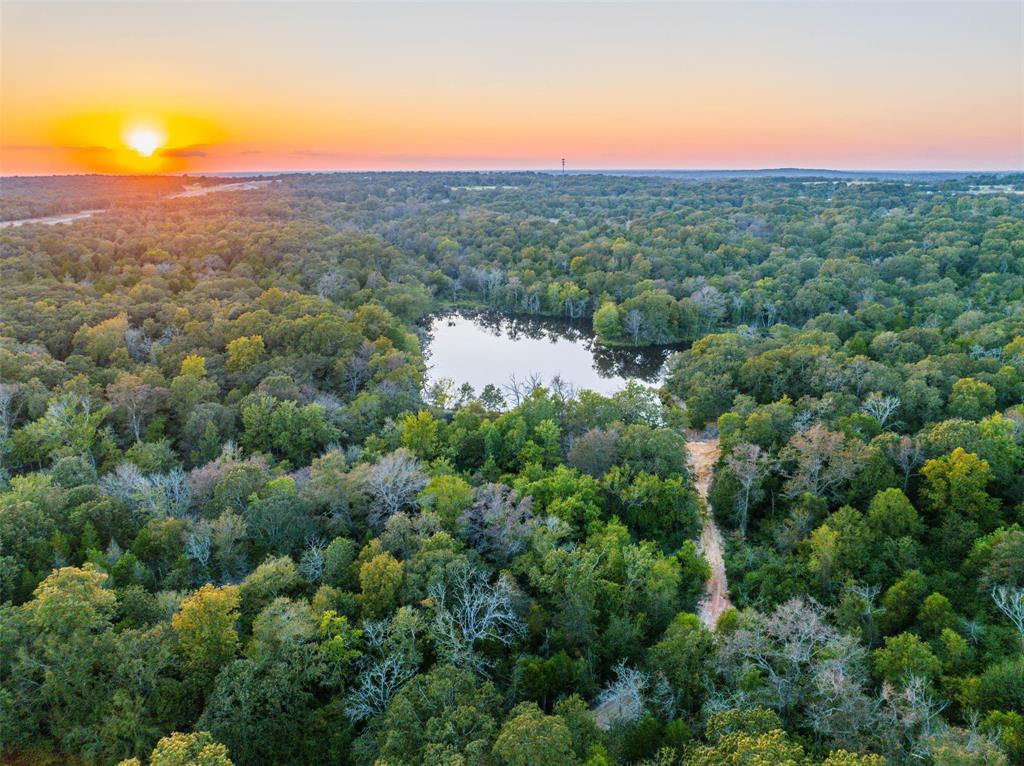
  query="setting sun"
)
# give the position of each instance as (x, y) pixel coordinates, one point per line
(145, 140)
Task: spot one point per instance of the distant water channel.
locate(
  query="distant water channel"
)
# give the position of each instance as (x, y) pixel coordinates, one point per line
(50, 220)
(490, 348)
(193, 190)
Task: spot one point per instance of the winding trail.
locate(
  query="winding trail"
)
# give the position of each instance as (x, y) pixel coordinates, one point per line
(703, 454)
(702, 457)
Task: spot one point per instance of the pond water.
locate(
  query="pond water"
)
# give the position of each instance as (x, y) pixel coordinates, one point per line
(489, 348)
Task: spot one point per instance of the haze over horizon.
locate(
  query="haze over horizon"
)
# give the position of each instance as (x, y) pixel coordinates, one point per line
(232, 87)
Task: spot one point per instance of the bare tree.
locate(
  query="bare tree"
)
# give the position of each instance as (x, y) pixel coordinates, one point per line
(857, 370)
(711, 304)
(515, 390)
(331, 283)
(867, 595)
(168, 494)
(965, 746)
(575, 307)
(139, 344)
(469, 611)
(839, 709)
(492, 280)
(824, 461)
(229, 532)
(357, 369)
(1010, 601)
(563, 389)
(113, 553)
(519, 390)
(633, 323)
(513, 290)
(749, 465)
(499, 523)
(663, 697)
(68, 409)
(7, 410)
(390, 660)
(136, 399)
(909, 717)
(881, 407)
(176, 491)
(376, 685)
(533, 381)
(311, 566)
(907, 454)
(199, 543)
(440, 393)
(791, 649)
(393, 484)
(623, 699)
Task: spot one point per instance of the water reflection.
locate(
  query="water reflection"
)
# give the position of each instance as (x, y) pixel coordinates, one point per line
(492, 348)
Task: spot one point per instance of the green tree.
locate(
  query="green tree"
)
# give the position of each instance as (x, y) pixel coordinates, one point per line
(892, 515)
(906, 655)
(421, 434)
(443, 716)
(607, 324)
(448, 496)
(683, 656)
(936, 614)
(273, 578)
(901, 600)
(530, 738)
(971, 399)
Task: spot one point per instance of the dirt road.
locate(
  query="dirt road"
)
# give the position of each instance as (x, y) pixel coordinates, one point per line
(703, 456)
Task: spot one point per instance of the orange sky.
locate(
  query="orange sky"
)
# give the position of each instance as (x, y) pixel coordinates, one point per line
(236, 86)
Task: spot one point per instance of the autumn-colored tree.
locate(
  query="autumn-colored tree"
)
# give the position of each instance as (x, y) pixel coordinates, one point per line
(195, 749)
(379, 581)
(245, 352)
(955, 485)
(205, 624)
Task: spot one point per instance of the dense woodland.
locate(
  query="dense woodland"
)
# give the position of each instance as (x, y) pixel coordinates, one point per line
(237, 528)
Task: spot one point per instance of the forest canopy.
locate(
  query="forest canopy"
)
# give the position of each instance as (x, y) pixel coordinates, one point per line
(238, 527)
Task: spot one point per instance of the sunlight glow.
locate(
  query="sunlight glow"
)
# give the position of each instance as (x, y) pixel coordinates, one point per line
(358, 86)
(145, 140)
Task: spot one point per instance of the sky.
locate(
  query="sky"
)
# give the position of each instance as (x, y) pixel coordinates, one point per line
(247, 86)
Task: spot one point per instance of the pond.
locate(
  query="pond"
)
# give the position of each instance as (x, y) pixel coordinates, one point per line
(492, 348)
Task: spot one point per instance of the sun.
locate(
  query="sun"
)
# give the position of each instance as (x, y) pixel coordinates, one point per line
(144, 139)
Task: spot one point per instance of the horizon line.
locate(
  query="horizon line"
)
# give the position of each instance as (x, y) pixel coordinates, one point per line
(546, 170)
